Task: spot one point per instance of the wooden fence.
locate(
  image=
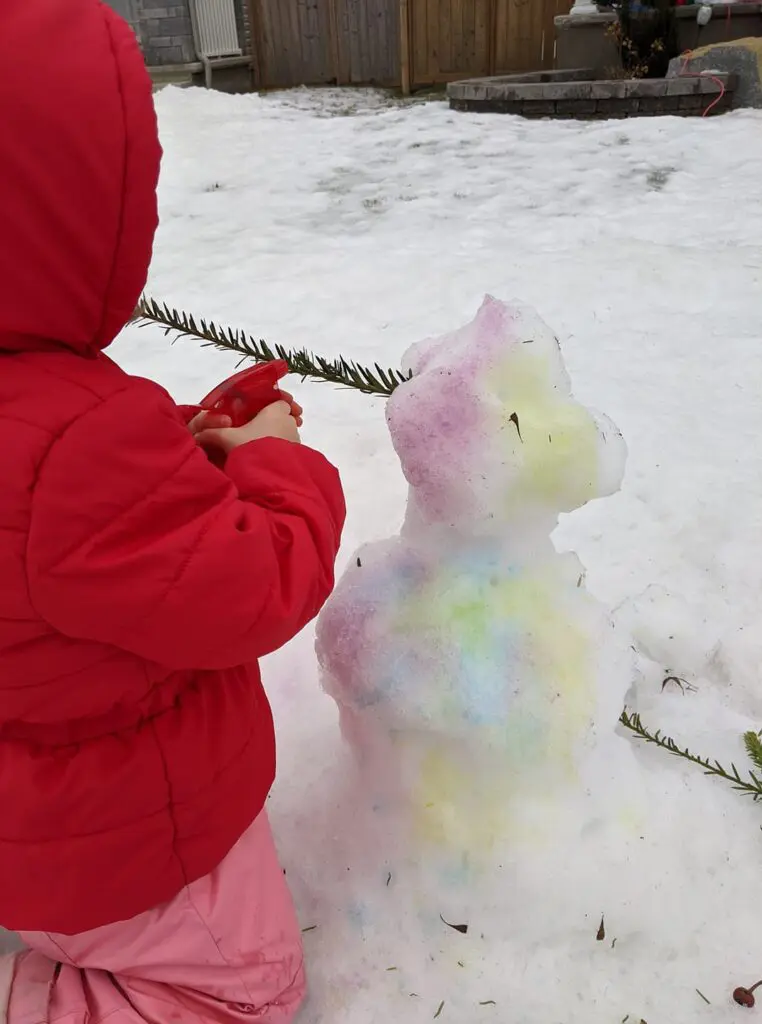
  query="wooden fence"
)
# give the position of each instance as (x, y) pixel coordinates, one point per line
(407, 43)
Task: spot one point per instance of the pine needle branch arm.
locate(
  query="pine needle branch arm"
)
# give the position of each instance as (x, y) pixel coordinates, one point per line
(341, 372)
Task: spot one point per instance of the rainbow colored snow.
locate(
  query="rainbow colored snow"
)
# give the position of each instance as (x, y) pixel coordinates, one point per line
(465, 654)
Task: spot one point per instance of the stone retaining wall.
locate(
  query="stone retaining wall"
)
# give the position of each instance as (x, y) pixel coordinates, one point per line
(560, 95)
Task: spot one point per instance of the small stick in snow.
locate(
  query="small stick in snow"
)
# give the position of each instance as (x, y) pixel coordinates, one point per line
(601, 933)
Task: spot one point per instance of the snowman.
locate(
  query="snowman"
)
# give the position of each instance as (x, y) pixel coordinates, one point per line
(478, 682)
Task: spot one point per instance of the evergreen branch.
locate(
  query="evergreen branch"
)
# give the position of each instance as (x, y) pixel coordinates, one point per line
(753, 787)
(753, 745)
(304, 364)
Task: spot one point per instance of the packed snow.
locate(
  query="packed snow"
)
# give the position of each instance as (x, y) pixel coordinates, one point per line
(626, 887)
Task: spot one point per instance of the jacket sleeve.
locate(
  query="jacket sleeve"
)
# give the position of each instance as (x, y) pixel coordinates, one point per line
(137, 541)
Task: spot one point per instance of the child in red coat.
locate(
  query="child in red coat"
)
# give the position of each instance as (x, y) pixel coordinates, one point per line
(139, 584)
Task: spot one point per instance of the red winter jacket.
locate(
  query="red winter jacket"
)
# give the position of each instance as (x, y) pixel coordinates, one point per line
(138, 583)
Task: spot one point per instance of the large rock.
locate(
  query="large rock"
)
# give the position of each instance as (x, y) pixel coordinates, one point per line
(742, 57)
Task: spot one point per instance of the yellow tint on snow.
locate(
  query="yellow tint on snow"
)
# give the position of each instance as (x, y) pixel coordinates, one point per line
(558, 444)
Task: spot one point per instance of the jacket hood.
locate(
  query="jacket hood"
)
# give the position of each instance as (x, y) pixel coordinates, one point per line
(79, 165)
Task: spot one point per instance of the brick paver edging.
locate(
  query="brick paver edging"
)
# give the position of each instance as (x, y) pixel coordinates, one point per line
(557, 97)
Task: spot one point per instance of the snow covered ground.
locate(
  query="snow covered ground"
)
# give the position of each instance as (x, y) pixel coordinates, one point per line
(348, 224)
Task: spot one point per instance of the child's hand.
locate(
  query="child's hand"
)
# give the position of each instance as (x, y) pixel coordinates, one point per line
(208, 421)
(277, 420)
(296, 410)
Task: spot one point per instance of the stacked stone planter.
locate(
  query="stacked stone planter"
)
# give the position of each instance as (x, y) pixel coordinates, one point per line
(586, 40)
(577, 94)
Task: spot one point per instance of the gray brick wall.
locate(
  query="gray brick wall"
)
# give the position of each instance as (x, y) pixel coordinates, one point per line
(165, 31)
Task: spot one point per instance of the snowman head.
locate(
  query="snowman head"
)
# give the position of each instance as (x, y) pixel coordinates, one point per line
(488, 433)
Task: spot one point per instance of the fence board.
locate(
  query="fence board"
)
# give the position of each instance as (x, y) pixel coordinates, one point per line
(418, 11)
(500, 33)
(444, 49)
(468, 29)
(389, 56)
(308, 29)
(288, 20)
(404, 30)
(433, 41)
(341, 71)
(341, 27)
(531, 34)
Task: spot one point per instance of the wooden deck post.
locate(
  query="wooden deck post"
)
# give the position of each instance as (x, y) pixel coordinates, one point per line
(405, 82)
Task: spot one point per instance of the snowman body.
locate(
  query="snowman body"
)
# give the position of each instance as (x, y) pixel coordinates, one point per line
(476, 677)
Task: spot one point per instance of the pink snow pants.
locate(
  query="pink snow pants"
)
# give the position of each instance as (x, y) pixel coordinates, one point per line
(227, 950)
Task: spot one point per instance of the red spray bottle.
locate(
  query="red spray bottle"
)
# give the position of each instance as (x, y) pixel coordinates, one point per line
(244, 395)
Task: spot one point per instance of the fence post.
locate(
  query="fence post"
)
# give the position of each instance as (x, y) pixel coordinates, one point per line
(405, 47)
